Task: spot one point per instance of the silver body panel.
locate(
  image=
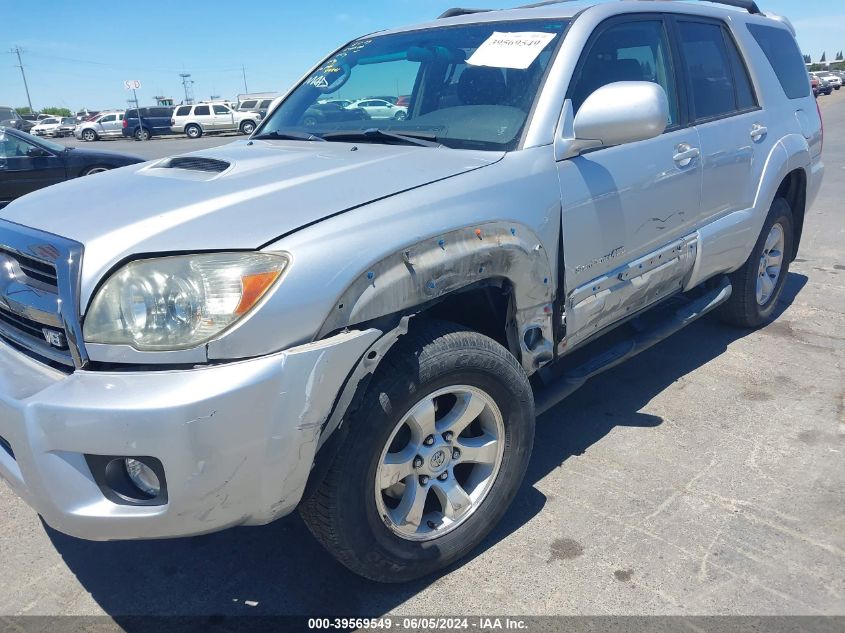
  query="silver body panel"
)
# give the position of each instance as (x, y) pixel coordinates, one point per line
(372, 231)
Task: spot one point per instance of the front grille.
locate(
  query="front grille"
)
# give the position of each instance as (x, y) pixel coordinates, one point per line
(21, 323)
(34, 268)
(196, 163)
(39, 313)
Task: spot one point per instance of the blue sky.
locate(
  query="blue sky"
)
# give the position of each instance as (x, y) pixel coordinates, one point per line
(77, 55)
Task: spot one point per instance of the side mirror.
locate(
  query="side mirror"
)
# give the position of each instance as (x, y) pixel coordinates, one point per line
(37, 152)
(616, 114)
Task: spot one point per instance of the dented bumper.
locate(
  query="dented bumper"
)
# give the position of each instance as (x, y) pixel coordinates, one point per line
(236, 441)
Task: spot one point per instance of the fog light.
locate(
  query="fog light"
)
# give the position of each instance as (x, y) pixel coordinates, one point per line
(142, 476)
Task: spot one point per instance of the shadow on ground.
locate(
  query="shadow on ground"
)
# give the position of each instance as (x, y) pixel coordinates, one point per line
(282, 569)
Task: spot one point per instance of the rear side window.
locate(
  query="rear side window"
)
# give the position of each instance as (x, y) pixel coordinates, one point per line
(710, 71)
(201, 111)
(183, 111)
(266, 103)
(160, 112)
(246, 105)
(218, 109)
(782, 52)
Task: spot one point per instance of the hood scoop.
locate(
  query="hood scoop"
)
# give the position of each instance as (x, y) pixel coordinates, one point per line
(195, 163)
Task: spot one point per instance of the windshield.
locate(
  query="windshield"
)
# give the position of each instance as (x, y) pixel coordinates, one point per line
(467, 87)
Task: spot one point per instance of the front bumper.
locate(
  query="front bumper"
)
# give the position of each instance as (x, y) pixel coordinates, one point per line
(237, 441)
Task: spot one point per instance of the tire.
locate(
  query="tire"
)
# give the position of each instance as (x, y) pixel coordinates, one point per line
(247, 127)
(96, 169)
(89, 135)
(309, 121)
(193, 131)
(400, 116)
(142, 134)
(748, 307)
(350, 513)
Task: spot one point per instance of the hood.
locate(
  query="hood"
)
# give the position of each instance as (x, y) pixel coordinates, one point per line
(268, 189)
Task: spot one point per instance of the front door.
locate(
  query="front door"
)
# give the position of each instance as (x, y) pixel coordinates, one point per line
(628, 211)
(25, 167)
(223, 118)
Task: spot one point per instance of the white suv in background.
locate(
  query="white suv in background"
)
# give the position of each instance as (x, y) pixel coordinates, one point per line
(203, 118)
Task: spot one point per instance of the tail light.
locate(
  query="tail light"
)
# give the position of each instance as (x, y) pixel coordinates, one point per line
(125, 123)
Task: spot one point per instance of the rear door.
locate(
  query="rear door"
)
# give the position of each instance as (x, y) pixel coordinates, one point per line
(724, 109)
(628, 209)
(203, 116)
(108, 125)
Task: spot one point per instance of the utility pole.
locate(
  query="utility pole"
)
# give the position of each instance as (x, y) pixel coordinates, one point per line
(17, 51)
(186, 81)
(243, 70)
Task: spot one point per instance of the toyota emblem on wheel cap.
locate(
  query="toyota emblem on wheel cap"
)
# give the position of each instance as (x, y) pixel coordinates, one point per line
(438, 459)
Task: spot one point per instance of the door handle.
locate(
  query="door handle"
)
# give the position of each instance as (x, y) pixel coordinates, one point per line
(758, 131)
(685, 153)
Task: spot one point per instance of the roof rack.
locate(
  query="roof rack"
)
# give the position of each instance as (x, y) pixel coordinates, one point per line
(451, 13)
(748, 5)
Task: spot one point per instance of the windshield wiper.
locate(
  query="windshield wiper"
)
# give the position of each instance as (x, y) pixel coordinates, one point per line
(289, 136)
(423, 139)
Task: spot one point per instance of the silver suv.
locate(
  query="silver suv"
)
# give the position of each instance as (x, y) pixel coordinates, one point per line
(362, 318)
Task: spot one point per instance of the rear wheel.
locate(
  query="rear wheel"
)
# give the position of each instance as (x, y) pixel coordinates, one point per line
(193, 131)
(759, 283)
(430, 461)
(142, 134)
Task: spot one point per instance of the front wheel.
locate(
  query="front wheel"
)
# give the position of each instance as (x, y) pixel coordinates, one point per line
(89, 135)
(400, 116)
(430, 461)
(759, 283)
(96, 169)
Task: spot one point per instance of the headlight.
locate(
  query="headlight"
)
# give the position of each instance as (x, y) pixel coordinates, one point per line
(181, 302)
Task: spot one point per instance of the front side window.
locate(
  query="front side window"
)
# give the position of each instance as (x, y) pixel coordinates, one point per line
(202, 111)
(12, 146)
(635, 50)
(708, 69)
(108, 119)
(472, 86)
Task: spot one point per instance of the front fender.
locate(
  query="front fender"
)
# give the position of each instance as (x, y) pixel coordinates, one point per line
(432, 268)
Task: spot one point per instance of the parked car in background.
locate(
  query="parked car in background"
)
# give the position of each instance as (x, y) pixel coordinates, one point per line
(205, 118)
(255, 105)
(103, 125)
(9, 117)
(331, 112)
(28, 163)
(154, 121)
(380, 109)
(816, 84)
(46, 127)
(825, 87)
(404, 101)
(833, 79)
(29, 117)
(338, 102)
(66, 126)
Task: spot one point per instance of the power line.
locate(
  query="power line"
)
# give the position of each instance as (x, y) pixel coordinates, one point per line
(17, 51)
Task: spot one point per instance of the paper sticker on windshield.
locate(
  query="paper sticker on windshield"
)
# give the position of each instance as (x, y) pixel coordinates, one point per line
(510, 50)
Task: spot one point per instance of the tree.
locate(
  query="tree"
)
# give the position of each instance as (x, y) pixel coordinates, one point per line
(808, 59)
(23, 110)
(824, 57)
(840, 57)
(56, 111)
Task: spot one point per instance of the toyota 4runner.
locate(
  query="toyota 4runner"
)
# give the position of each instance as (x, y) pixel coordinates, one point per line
(361, 318)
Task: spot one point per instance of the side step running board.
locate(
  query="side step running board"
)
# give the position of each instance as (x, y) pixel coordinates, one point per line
(575, 377)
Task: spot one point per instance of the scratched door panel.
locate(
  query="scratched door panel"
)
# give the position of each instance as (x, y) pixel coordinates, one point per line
(623, 203)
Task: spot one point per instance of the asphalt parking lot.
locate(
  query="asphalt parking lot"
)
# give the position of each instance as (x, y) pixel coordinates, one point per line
(156, 147)
(705, 476)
